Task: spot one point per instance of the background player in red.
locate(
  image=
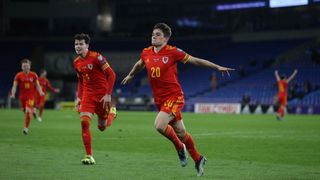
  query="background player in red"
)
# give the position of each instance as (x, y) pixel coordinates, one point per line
(41, 100)
(95, 84)
(160, 60)
(28, 82)
(282, 82)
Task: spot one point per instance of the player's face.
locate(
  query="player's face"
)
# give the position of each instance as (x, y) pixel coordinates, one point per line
(80, 47)
(157, 38)
(25, 67)
(44, 74)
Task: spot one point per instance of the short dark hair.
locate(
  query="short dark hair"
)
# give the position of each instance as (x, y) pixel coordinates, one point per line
(164, 28)
(25, 60)
(283, 76)
(82, 36)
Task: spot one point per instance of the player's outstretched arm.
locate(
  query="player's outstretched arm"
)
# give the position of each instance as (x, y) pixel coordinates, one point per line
(55, 90)
(13, 90)
(135, 69)
(293, 75)
(276, 74)
(205, 63)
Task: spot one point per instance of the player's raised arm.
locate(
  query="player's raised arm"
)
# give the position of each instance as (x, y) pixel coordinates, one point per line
(293, 75)
(276, 73)
(139, 66)
(205, 63)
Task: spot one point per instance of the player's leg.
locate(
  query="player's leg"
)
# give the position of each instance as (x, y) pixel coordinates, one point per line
(28, 110)
(112, 115)
(41, 108)
(284, 105)
(281, 109)
(187, 139)
(86, 137)
(162, 126)
(105, 116)
(37, 104)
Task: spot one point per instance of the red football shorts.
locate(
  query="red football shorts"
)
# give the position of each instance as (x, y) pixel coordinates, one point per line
(27, 104)
(282, 100)
(40, 100)
(174, 105)
(93, 105)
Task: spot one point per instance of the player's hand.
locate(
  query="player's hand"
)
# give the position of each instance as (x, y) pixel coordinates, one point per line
(77, 104)
(41, 93)
(225, 70)
(57, 90)
(127, 79)
(12, 96)
(106, 100)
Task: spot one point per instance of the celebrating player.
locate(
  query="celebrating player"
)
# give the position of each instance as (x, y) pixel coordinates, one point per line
(282, 82)
(28, 82)
(160, 60)
(95, 84)
(41, 100)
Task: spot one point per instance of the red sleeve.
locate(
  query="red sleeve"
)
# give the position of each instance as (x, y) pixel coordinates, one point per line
(51, 88)
(16, 78)
(180, 55)
(111, 75)
(80, 86)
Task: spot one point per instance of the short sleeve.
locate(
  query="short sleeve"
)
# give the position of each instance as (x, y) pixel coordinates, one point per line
(16, 78)
(103, 63)
(180, 55)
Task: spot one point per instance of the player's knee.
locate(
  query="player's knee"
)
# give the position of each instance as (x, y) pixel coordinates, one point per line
(159, 128)
(181, 133)
(85, 122)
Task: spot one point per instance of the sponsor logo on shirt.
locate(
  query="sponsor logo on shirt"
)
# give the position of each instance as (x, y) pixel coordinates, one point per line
(155, 59)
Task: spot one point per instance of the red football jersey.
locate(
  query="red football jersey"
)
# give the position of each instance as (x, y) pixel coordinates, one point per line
(93, 80)
(282, 87)
(26, 83)
(162, 70)
(45, 83)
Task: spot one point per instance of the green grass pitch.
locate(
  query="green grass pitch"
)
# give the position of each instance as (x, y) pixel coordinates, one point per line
(236, 146)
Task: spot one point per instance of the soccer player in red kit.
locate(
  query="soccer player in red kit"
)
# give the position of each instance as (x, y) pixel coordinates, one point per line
(41, 100)
(282, 82)
(95, 84)
(160, 60)
(28, 83)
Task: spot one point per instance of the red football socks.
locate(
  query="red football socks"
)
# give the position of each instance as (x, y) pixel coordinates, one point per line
(86, 135)
(188, 141)
(281, 111)
(172, 136)
(27, 119)
(40, 111)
